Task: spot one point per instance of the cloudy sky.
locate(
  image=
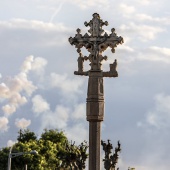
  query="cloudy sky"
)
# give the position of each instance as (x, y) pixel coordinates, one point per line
(39, 90)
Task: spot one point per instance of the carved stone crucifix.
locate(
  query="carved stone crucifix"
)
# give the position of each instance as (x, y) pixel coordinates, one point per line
(95, 42)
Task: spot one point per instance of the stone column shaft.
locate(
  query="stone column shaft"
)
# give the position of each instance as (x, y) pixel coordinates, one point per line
(94, 145)
(95, 113)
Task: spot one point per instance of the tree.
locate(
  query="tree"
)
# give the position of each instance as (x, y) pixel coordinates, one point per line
(52, 148)
(4, 158)
(26, 135)
(74, 157)
(54, 136)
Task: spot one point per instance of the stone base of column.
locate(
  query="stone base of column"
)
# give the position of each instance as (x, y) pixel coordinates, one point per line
(94, 145)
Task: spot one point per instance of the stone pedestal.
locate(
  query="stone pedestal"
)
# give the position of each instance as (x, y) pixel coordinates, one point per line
(95, 114)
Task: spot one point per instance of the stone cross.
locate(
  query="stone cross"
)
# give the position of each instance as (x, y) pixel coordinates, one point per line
(96, 42)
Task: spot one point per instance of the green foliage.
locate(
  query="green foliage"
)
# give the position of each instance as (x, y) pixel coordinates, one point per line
(73, 156)
(26, 135)
(4, 158)
(54, 152)
(54, 136)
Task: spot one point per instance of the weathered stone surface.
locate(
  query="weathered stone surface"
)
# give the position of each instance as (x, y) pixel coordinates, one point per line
(94, 145)
(95, 43)
(95, 97)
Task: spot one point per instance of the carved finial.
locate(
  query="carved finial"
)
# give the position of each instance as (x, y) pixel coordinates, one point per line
(78, 30)
(113, 32)
(96, 25)
(78, 35)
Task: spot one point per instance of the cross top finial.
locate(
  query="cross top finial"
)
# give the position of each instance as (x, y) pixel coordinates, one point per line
(96, 25)
(96, 43)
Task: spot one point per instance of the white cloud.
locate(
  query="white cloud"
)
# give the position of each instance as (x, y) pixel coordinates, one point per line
(33, 64)
(39, 64)
(3, 124)
(60, 119)
(77, 133)
(8, 109)
(4, 90)
(21, 83)
(144, 32)
(36, 32)
(145, 17)
(40, 105)
(159, 115)
(154, 53)
(145, 2)
(127, 9)
(11, 143)
(15, 100)
(57, 119)
(18, 23)
(65, 84)
(79, 111)
(161, 50)
(62, 115)
(12, 90)
(26, 66)
(126, 48)
(89, 3)
(22, 123)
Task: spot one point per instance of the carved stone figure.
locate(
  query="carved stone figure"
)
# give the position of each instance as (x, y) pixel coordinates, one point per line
(96, 25)
(100, 59)
(80, 62)
(113, 66)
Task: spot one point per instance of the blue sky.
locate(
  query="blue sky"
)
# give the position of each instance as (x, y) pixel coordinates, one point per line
(39, 90)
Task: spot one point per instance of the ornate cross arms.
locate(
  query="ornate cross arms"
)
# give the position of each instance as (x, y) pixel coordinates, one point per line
(95, 43)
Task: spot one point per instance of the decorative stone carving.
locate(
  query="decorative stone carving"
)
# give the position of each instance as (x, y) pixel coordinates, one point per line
(80, 63)
(96, 43)
(96, 25)
(113, 66)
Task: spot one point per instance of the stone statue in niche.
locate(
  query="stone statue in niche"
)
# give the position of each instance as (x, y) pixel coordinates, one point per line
(80, 62)
(113, 66)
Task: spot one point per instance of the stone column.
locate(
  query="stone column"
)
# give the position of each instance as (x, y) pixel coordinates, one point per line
(96, 41)
(95, 114)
